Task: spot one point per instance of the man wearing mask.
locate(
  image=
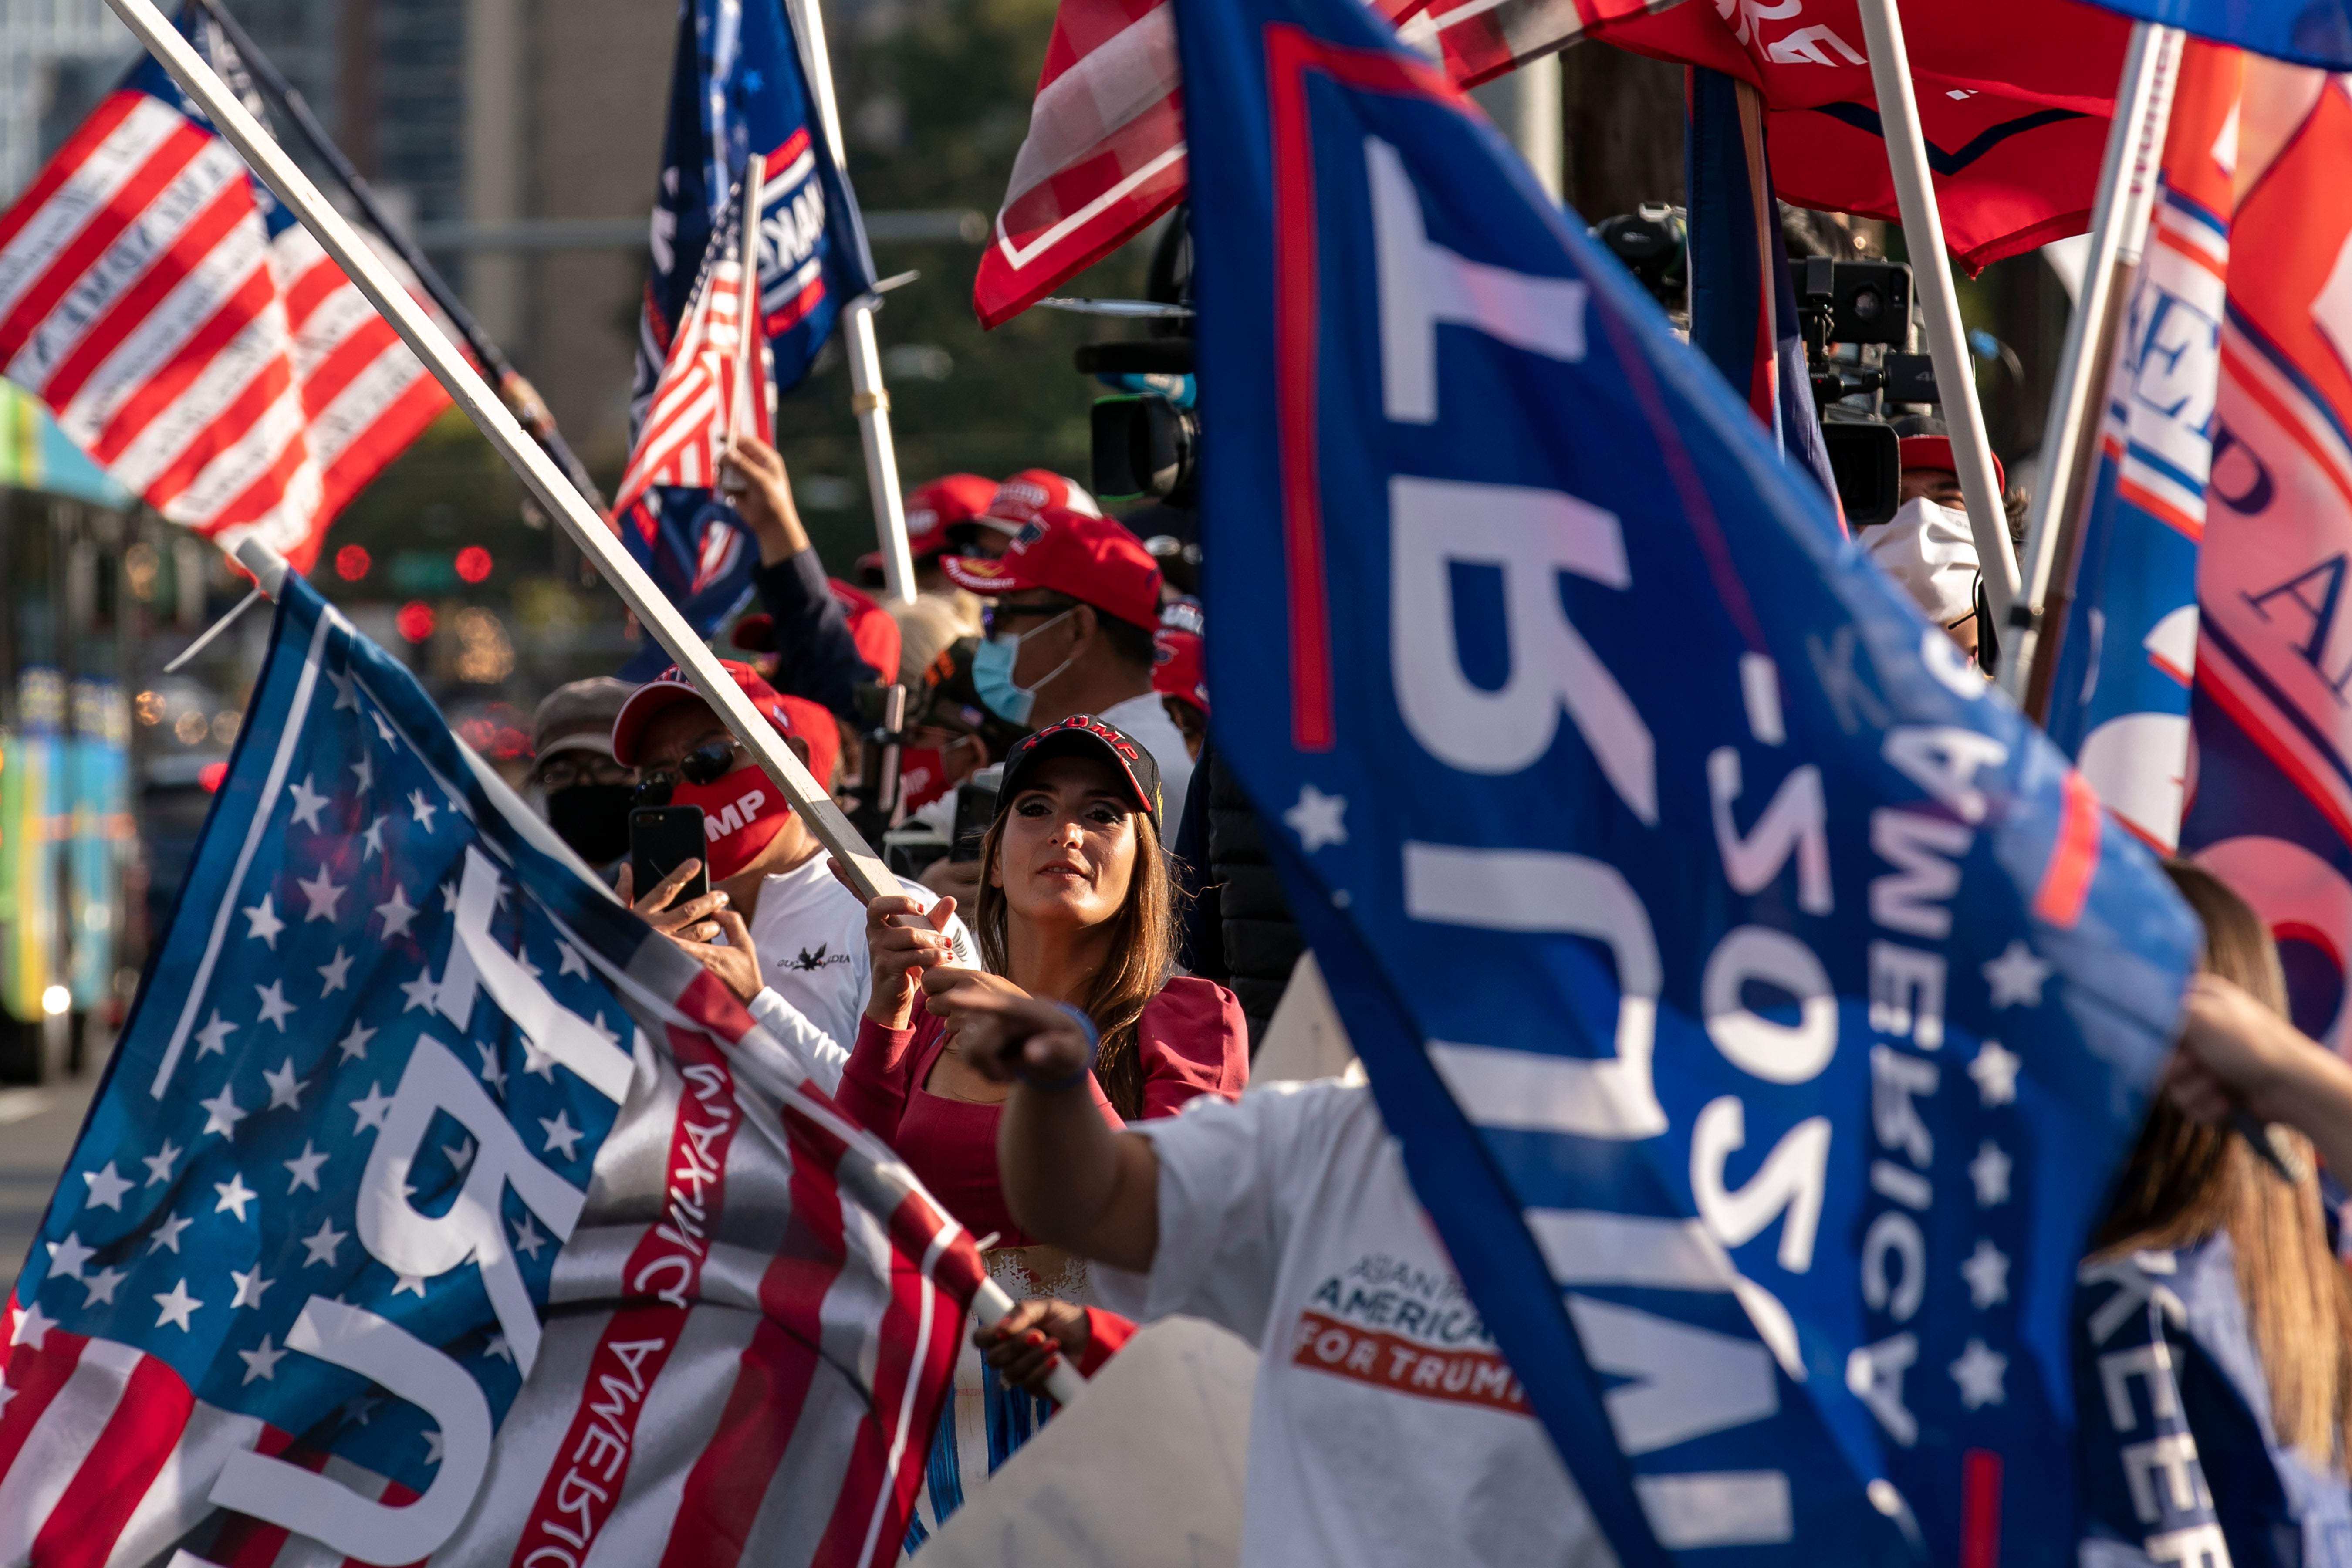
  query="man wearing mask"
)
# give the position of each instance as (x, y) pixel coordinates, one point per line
(1074, 603)
(776, 927)
(586, 791)
(1928, 546)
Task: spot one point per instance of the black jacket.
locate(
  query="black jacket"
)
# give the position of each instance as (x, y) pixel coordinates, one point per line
(1238, 930)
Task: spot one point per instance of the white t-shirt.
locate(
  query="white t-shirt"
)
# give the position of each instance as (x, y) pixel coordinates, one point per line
(1387, 1427)
(1145, 719)
(810, 934)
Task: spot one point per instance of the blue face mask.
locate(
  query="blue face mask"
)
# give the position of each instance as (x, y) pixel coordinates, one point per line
(991, 675)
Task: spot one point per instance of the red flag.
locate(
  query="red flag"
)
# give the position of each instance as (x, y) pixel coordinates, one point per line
(2014, 98)
(194, 339)
(1105, 152)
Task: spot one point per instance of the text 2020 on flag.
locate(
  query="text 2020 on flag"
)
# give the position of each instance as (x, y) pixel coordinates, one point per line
(189, 335)
(435, 1209)
(1761, 1004)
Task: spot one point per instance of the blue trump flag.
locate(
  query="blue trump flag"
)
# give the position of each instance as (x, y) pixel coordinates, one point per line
(434, 1208)
(2308, 32)
(737, 86)
(1751, 988)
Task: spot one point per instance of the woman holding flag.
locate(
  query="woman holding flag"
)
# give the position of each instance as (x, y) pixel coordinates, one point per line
(1075, 908)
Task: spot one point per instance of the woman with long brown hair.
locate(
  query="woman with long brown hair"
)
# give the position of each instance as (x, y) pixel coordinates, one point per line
(2213, 1329)
(1076, 907)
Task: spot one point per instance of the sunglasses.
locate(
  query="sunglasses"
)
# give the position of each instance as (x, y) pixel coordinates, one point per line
(995, 617)
(707, 763)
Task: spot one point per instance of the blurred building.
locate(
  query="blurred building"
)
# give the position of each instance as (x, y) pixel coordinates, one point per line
(519, 140)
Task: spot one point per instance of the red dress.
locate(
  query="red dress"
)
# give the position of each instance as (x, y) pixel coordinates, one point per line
(1192, 1040)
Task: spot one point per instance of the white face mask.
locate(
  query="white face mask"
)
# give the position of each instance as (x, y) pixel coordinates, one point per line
(1929, 549)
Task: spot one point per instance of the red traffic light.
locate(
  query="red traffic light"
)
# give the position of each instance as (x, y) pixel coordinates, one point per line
(352, 563)
(473, 563)
(415, 620)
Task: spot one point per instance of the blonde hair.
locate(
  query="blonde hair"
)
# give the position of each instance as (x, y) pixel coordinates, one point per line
(1142, 956)
(2186, 1181)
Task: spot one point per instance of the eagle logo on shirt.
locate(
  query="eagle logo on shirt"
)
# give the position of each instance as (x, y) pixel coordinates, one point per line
(809, 962)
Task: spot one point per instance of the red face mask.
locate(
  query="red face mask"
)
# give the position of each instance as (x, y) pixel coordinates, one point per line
(741, 815)
(923, 774)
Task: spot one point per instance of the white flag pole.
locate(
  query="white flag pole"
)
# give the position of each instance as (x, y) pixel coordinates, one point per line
(547, 483)
(1922, 234)
(751, 386)
(869, 398)
(2069, 439)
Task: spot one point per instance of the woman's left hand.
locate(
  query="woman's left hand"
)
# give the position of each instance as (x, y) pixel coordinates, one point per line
(1028, 1342)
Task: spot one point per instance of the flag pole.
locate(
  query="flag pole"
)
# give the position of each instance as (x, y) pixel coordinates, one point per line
(1922, 234)
(546, 482)
(869, 398)
(2070, 439)
(521, 396)
(751, 386)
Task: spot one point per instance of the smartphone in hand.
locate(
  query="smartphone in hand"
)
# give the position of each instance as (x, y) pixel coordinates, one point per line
(661, 839)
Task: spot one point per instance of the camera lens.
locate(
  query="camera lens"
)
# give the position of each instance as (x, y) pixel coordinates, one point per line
(1867, 305)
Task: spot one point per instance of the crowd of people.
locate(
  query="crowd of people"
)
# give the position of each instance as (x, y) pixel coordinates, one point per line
(1054, 1023)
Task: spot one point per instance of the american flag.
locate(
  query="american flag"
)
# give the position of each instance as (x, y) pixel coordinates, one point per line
(1105, 152)
(703, 393)
(434, 1210)
(189, 335)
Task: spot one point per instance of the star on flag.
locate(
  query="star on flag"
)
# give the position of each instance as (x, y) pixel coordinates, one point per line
(307, 803)
(106, 1188)
(264, 919)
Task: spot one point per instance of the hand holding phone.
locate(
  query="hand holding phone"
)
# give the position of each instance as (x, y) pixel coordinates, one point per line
(661, 839)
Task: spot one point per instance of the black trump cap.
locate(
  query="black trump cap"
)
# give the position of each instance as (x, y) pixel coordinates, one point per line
(1083, 735)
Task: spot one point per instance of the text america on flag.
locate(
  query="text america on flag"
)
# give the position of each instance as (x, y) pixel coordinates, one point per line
(189, 335)
(1740, 975)
(435, 1209)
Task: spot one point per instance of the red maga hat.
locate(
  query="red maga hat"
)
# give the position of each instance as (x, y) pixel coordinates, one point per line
(1178, 668)
(935, 508)
(1019, 500)
(871, 627)
(1094, 559)
(793, 716)
(1936, 452)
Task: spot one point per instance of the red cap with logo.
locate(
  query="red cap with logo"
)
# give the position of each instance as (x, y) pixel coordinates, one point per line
(871, 627)
(793, 716)
(1178, 657)
(932, 509)
(1094, 559)
(1020, 499)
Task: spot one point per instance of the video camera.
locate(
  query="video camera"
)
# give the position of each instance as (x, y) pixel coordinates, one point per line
(1866, 305)
(1146, 434)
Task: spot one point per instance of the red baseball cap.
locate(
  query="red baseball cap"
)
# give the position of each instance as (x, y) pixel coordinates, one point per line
(933, 509)
(1936, 452)
(793, 716)
(871, 627)
(1019, 500)
(1179, 661)
(1177, 667)
(1094, 559)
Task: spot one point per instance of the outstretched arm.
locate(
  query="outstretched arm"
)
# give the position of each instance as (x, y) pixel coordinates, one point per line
(2235, 1051)
(1067, 1177)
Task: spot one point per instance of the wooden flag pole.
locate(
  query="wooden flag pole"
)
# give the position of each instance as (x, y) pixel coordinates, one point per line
(1922, 233)
(2070, 440)
(547, 483)
(869, 398)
